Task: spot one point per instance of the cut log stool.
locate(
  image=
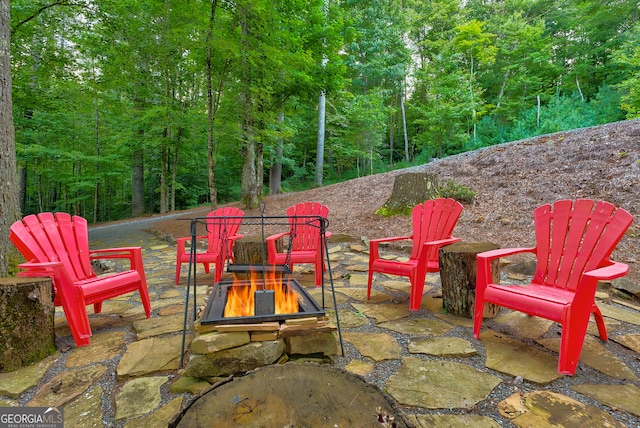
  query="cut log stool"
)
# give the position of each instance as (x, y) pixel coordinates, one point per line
(27, 328)
(248, 251)
(458, 270)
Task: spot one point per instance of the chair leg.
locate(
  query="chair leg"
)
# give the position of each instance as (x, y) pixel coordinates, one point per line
(78, 320)
(574, 330)
(602, 329)
(218, 272)
(369, 283)
(97, 308)
(417, 279)
(144, 296)
(178, 265)
(478, 310)
(319, 274)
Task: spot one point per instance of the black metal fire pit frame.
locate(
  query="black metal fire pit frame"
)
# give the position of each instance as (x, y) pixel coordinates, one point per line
(262, 220)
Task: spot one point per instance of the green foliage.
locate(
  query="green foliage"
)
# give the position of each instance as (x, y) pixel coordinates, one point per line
(93, 86)
(459, 192)
(628, 56)
(385, 211)
(14, 259)
(561, 113)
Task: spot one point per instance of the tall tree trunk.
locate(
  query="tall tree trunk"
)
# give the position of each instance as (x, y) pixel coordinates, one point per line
(137, 183)
(249, 194)
(22, 185)
(502, 87)
(320, 147)
(173, 175)
(96, 189)
(275, 172)
(9, 208)
(322, 104)
(259, 170)
(163, 177)
(211, 158)
(249, 186)
(404, 129)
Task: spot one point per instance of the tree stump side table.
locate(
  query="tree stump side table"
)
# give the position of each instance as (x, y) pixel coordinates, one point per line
(27, 328)
(458, 270)
(248, 251)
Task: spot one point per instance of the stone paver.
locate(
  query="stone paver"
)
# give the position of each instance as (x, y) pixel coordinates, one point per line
(596, 355)
(383, 312)
(444, 347)
(620, 314)
(14, 384)
(85, 412)
(512, 357)
(631, 341)
(415, 326)
(360, 294)
(376, 346)
(439, 384)
(427, 360)
(139, 396)
(548, 408)
(153, 355)
(67, 385)
(453, 421)
(527, 326)
(104, 346)
(625, 397)
(360, 367)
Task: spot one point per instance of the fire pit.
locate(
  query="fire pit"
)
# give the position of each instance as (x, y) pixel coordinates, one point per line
(291, 301)
(260, 317)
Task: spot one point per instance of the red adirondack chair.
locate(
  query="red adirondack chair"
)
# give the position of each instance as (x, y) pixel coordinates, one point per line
(574, 241)
(57, 246)
(222, 228)
(433, 222)
(305, 243)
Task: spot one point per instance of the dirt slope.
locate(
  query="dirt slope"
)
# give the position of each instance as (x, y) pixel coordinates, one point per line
(511, 180)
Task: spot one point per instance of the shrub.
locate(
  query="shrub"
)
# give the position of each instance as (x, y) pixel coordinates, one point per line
(459, 192)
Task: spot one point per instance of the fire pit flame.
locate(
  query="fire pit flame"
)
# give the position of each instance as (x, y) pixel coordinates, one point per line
(241, 295)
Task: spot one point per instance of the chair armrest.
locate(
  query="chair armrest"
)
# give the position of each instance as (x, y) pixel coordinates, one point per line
(181, 242)
(586, 289)
(374, 244)
(440, 242)
(395, 238)
(54, 270)
(272, 250)
(502, 252)
(276, 236)
(188, 238)
(133, 254)
(428, 250)
(114, 253)
(38, 269)
(235, 237)
(607, 273)
(484, 275)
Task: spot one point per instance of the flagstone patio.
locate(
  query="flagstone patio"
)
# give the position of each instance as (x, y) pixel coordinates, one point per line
(427, 361)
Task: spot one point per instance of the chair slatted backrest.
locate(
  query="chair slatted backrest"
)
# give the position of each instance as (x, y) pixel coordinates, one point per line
(55, 238)
(224, 223)
(305, 225)
(433, 220)
(575, 237)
